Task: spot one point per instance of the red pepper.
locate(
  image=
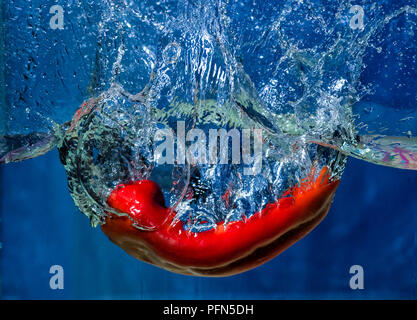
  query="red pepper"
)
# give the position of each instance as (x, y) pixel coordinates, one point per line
(226, 250)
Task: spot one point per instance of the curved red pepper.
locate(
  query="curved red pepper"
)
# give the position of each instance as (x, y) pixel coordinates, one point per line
(225, 250)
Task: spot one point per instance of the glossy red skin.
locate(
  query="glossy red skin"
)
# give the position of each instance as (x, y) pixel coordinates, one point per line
(226, 250)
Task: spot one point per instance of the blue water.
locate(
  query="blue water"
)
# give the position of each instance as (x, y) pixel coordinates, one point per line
(372, 223)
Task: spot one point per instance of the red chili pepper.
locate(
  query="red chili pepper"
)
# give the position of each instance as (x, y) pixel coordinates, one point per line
(228, 249)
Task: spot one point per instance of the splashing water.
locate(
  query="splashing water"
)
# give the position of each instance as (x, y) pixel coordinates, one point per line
(299, 73)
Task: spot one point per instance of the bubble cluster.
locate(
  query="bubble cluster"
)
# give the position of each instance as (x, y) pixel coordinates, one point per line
(301, 74)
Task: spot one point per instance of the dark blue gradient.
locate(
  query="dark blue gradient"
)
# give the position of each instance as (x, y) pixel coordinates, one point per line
(372, 223)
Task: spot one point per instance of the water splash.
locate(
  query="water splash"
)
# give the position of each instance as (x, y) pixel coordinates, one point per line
(290, 68)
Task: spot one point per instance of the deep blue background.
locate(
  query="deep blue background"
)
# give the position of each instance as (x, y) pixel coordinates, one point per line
(372, 223)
